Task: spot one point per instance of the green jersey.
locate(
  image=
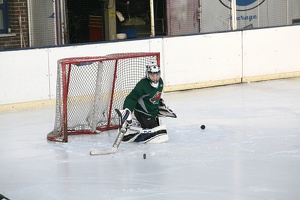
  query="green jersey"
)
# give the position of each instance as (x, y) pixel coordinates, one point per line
(144, 98)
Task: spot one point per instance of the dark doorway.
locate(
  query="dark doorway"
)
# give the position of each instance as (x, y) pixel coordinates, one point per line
(85, 20)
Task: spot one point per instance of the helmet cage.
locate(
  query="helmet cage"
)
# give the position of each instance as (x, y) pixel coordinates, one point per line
(152, 70)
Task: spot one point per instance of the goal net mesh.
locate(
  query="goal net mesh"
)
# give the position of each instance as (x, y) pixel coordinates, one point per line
(90, 88)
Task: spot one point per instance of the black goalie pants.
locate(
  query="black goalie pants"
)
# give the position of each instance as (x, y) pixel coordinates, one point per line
(146, 121)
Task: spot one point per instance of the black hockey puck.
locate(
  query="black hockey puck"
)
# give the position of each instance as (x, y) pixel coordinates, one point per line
(144, 156)
(202, 127)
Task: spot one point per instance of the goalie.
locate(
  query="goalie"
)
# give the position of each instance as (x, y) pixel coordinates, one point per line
(147, 105)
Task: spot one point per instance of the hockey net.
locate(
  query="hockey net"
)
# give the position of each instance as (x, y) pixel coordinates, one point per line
(90, 88)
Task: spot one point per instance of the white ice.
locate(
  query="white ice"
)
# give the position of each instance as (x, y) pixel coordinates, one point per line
(250, 149)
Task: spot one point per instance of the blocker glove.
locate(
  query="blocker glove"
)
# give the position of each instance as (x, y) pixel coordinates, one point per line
(126, 116)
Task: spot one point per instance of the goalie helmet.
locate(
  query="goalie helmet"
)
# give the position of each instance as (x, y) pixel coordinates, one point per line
(153, 74)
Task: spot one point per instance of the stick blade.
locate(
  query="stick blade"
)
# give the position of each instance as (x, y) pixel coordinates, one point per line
(117, 142)
(103, 152)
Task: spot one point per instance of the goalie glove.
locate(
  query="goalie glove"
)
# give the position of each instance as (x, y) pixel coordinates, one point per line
(126, 117)
(164, 111)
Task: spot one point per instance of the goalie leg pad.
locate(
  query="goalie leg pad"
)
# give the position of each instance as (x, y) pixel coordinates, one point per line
(154, 135)
(130, 135)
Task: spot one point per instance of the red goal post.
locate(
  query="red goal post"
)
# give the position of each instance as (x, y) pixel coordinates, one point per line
(90, 88)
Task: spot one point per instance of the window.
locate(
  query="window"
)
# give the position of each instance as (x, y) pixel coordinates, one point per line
(3, 17)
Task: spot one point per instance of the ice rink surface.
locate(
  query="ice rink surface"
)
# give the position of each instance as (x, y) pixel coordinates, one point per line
(250, 150)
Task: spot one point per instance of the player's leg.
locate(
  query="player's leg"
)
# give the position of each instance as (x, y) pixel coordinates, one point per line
(145, 120)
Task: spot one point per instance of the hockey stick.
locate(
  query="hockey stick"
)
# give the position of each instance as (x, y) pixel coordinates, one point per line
(118, 140)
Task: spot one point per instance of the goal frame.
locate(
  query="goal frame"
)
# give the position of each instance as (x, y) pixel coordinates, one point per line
(64, 81)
